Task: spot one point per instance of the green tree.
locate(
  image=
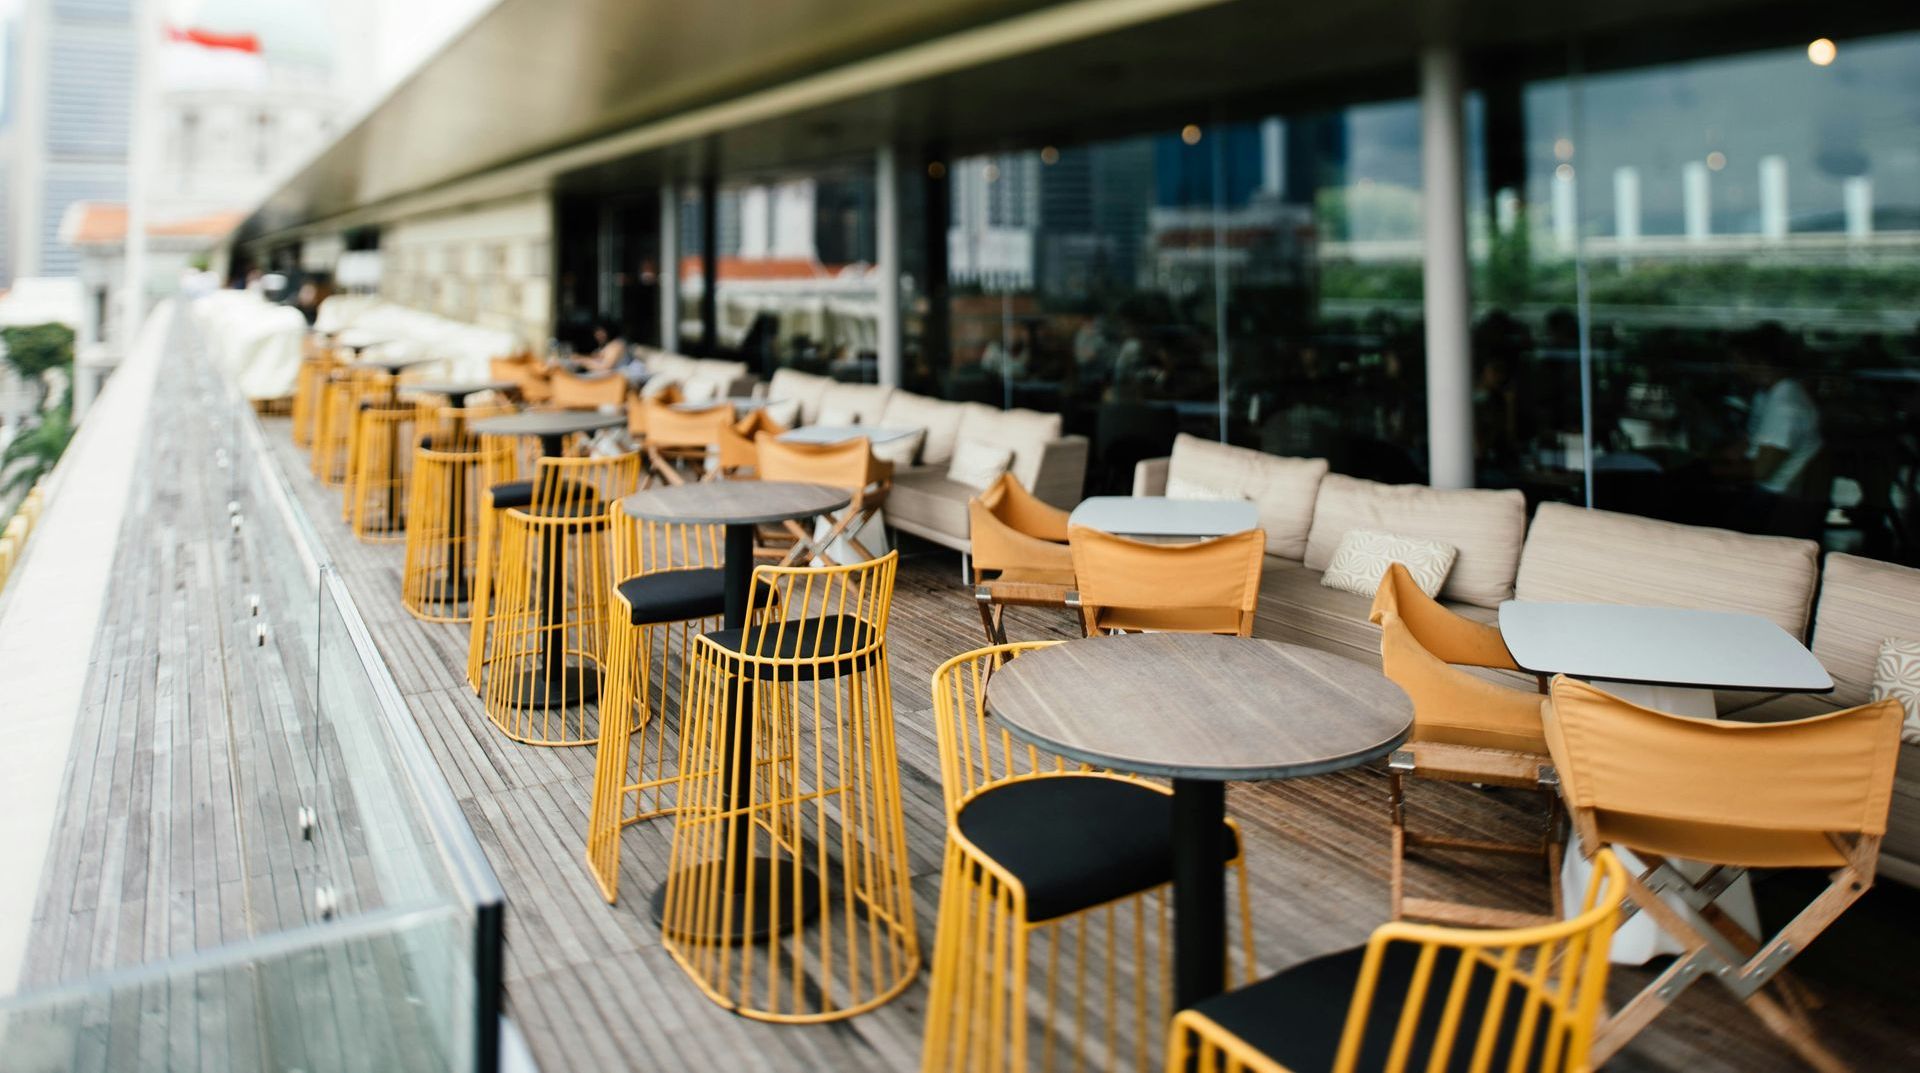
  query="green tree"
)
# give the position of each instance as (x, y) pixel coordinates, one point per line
(38, 348)
(34, 451)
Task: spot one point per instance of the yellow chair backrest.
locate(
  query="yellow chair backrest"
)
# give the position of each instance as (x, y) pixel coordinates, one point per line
(570, 392)
(849, 464)
(1748, 794)
(667, 427)
(1420, 641)
(1210, 586)
(1552, 979)
(975, 752)
(576, 487)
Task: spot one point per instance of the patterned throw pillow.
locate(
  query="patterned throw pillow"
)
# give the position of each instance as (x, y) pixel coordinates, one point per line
(978, 464)
(1182, 488)
(1363, 555)
(1897, 675)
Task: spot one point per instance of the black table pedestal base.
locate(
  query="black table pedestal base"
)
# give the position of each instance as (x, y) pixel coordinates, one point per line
(562, 689)
(758, 886)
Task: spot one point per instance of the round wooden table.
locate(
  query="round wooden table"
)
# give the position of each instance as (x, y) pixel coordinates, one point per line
(457, 391)
(1203, 711)
(392, 363)
(740, 506)
(552, 426)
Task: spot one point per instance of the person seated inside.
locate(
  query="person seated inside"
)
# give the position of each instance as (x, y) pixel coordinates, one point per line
(1776, 463)
(610, 352)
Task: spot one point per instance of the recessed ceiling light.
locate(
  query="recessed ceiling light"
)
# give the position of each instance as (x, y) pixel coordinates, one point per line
(1822, 50)
(1190, 134)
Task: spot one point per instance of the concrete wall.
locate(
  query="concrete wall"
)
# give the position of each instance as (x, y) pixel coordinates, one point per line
(490, 265)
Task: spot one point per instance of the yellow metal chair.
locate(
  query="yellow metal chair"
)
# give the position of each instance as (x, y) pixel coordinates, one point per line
(798, 839)
(1125, 586)
(512, 465)
(309, 386)
(681, 444)
(1727, 797)
(569, 391)
(667, 590)
(1055, 874)
(1022, 543)
(546, 610)
(451, 472)
(346, 391)
(1465, 729)
(1421, 997)
(374, 500)
(849, 465)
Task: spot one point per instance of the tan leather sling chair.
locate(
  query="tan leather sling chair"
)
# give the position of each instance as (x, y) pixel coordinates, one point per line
(1209, 586)
(1019, 553)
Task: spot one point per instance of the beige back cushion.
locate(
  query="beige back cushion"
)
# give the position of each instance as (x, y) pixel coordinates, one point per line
(1487, 527)
(1862, 603)
(1597, 556)
(1283, 489)
(941, 420)
(864, 401)
(661, 363)
(1024, 432)
(804, 388)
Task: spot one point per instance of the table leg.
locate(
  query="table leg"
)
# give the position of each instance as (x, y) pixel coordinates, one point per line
(748, 873)
(1199, 890)
(456, 587)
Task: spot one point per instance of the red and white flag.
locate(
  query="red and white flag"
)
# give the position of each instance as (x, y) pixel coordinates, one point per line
(192, 58)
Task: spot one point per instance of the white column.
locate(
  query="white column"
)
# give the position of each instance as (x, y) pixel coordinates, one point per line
(1696, 200)
(1773, 197)
(1856, 193)
(1443, 208)
(886, 269)
(1626, 205)
(670, 268)
(1273, 157)
(1566, 211)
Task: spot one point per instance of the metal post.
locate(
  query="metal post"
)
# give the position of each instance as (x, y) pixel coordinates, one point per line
(887, 265)
(710, 264)
(670, 268)
(1448, 312)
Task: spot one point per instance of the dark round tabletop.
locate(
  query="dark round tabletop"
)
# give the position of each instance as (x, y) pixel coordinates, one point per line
(735, 502)
(458, 387)
(1191, 706)
(547, 423)
(394, 362)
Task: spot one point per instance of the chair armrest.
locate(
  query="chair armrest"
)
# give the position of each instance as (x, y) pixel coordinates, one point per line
(1062, 474)
(1150, 477)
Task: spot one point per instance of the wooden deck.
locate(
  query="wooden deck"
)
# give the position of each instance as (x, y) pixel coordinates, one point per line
(136, 874)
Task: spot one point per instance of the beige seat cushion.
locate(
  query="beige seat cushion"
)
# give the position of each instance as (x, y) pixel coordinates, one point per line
(863, 402)
(1024, 432)
(904, 409)
(1597, 556)
(1862, 603)
(1486, 527)
(925, 498)
(804, 388)
(1282, 489)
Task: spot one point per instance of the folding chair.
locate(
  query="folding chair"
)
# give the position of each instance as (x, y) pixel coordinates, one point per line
(1022, 542)
(680, 444)
(1465, 729)
(739, 453)
(1126, 586)
(572, 392)
(850, 465)
(1811, 793)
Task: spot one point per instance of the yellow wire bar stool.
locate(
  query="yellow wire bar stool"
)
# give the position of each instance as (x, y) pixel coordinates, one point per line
(309, 386)
(1465, 729)
(374, 502)
(502, 487)
(787, 896)
(548, 607)
(668, 590)
(1421, 997)
(346, 389)
(451, 468)
(1053, 945)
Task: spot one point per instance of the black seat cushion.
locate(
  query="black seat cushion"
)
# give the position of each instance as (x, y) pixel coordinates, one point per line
(519, 495)
(821, 638)
(1297, 1016)
(1076, 841)
(681, 595)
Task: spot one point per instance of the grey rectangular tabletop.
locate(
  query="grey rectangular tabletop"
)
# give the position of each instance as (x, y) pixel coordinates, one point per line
(741, 404)
(1663, 646)
(843, 433)
(1158, 516)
